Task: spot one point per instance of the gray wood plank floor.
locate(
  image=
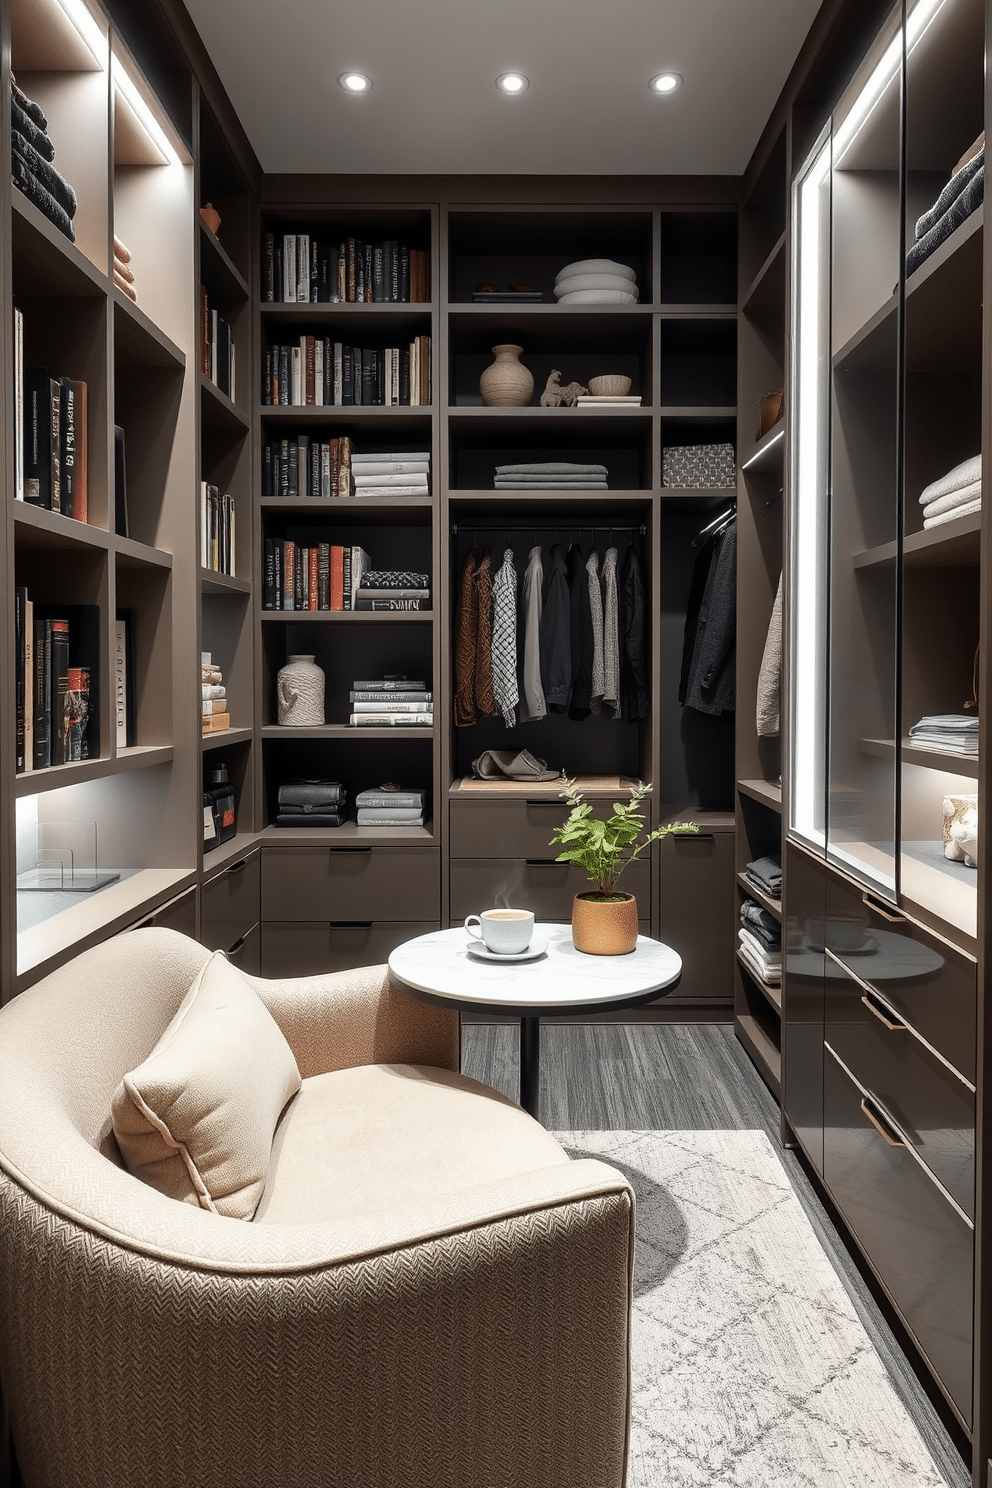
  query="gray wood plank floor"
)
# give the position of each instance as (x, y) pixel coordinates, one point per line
(689, 1077)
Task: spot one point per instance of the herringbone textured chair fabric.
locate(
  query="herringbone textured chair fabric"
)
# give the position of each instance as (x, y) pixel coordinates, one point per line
(472, 1339)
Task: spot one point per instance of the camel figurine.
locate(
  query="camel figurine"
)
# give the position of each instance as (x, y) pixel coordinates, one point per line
(556, 396)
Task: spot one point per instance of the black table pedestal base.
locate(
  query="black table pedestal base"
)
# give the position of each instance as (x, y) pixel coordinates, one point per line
(530, 1066)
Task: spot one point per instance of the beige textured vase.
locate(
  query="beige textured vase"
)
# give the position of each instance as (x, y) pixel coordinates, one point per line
(604, 927)
(506, 382)
(300, 692)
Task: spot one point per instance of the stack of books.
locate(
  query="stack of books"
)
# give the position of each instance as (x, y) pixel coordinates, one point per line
(57, 657)
(217, 354)
(391, 702)
(303, 467)
(405, 474)
(392, 589)
(217, 537)
(50, 446)
(608, 400)
(390, 806)
(318, 372)
(325, 576)
(214, 693)
(296, 267)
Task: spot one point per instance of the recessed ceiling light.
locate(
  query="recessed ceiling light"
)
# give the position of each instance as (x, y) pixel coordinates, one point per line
(665, 82)
(512, 82)
(354, 82)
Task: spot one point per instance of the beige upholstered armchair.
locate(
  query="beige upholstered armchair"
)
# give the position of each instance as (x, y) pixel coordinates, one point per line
(430, 1294)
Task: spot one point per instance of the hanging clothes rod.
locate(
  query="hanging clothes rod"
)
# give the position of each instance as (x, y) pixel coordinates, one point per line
(457, 527)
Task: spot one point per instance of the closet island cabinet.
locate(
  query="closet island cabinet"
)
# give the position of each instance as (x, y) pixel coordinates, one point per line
(884, 925)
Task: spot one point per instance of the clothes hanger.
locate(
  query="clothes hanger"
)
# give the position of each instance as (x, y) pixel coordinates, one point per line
(718, 524)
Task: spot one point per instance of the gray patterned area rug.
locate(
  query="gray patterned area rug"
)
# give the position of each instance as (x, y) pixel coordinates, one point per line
(751, 1367)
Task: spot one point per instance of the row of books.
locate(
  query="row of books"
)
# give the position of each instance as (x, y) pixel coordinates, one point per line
(51, 445)
(217, 529)
(391, 806)
(305, 467)
(215, 716)
(322, 373)
(298, 268)
(325, 576)
(217, 352)
(57, 650)
(392, 702)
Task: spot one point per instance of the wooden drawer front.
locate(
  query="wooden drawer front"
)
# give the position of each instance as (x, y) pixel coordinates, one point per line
(546, 888)
(369, 884)
(302, 949)
(933, 986)
(920, 1246)
(513, 829)
(698, 913)
(230, 903)
(179, 914)
(933, 1107)
(246, 953)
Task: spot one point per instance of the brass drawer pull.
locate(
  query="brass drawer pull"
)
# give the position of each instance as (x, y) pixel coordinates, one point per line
(870, 902)
(876, 1122)
(891, 1022)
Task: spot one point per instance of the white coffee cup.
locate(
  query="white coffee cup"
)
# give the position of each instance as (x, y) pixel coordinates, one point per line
(505, 932)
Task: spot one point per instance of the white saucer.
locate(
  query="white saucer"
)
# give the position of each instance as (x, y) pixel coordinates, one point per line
(537, 947)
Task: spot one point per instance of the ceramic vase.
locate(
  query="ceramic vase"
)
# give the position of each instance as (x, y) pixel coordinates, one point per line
(300, 691)
(506, 382)
(604, 925)
(211, 216)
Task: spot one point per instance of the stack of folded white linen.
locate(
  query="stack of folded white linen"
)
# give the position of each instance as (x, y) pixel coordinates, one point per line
(953, 733)
(596, 281)
(550, 475)
(956, 494)
(760, 948)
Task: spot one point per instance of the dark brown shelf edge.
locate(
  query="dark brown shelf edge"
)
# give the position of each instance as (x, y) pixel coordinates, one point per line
(226, 737)
(57, 777)
(946, 536)
(221, 857)
(765, 1056)
(343, 503)
(147, 327)
(328, 309)
(134, 553)
(212, 582)
(772, 995)
(643, 412)
(293, 412)
(695, 410)
(546, 498)
(769, 452)
(341, 731)
(465, 788)
(947, 249)
(335, 617)
(713, 493)
(456, 309)
(773, 906)
(57, 524)
(225, 259)
(768, 792)
(933, 759)
(97, 281)
(223, 402)
(777, 250)
(349, 832)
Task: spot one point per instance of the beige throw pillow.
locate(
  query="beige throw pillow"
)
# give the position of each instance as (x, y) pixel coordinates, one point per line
(196, 1119)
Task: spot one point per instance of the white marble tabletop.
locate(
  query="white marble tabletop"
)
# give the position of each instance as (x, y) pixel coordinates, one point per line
(562, 979)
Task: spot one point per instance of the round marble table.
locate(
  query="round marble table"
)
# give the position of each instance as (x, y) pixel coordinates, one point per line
(438, 968)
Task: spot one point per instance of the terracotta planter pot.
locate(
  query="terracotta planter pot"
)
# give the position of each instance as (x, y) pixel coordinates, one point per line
(604, 927)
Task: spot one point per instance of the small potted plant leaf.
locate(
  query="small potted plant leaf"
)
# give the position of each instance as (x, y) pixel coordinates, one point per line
(604, 919)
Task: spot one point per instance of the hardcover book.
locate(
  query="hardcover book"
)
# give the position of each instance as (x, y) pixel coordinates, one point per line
(74, 449)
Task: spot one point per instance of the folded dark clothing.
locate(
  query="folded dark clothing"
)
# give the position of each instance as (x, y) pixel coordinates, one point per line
(45, 172)
(326, 819)
(32, 109)
(22, 120)
(767, 874)
(39, 197)
(762, 925)
(958, 183)
(959, 211)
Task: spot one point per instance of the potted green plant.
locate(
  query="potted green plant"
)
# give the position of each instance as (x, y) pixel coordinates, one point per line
(604, 919)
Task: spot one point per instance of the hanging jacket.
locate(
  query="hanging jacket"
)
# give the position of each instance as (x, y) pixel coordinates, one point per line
(484, 698)
(712, 684)
(466, 627)
(503, 645)
(556, 637)
(697, 588)
(598, 681)
(611, 634)
(635, 695)
(580, 613)
(532, 704)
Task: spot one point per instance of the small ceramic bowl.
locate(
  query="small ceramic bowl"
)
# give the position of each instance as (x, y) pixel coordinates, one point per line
(613, 386)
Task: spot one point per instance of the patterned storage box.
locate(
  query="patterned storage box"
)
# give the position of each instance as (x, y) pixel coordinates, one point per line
(703, 467)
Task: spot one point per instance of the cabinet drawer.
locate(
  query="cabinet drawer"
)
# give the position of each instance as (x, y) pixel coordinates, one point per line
(343, 883)
(933, 1107)
(698, 918)
(178, 914)
(513, 828)
(917, 1242)
(929, 983)
(302, 949)
(246, 953)
(230, 902)
(547, 888)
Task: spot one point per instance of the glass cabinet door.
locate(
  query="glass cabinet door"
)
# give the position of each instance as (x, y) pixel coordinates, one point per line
(865, 460)
(944, 112)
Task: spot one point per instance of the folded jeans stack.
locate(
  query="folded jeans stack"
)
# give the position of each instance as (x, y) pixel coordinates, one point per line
(32, 171)
(956, 494)
(963, 193)
(952, 733)
(766, 874)
(596, 281)
(551, 475)
(123, 273)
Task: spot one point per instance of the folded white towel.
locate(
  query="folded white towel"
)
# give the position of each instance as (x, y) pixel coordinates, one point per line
(596, 266)
(770, 959)
(593, 281)
(598, 297)
(968, 510)
(771, 975)
(947, 503)
(961, 475)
